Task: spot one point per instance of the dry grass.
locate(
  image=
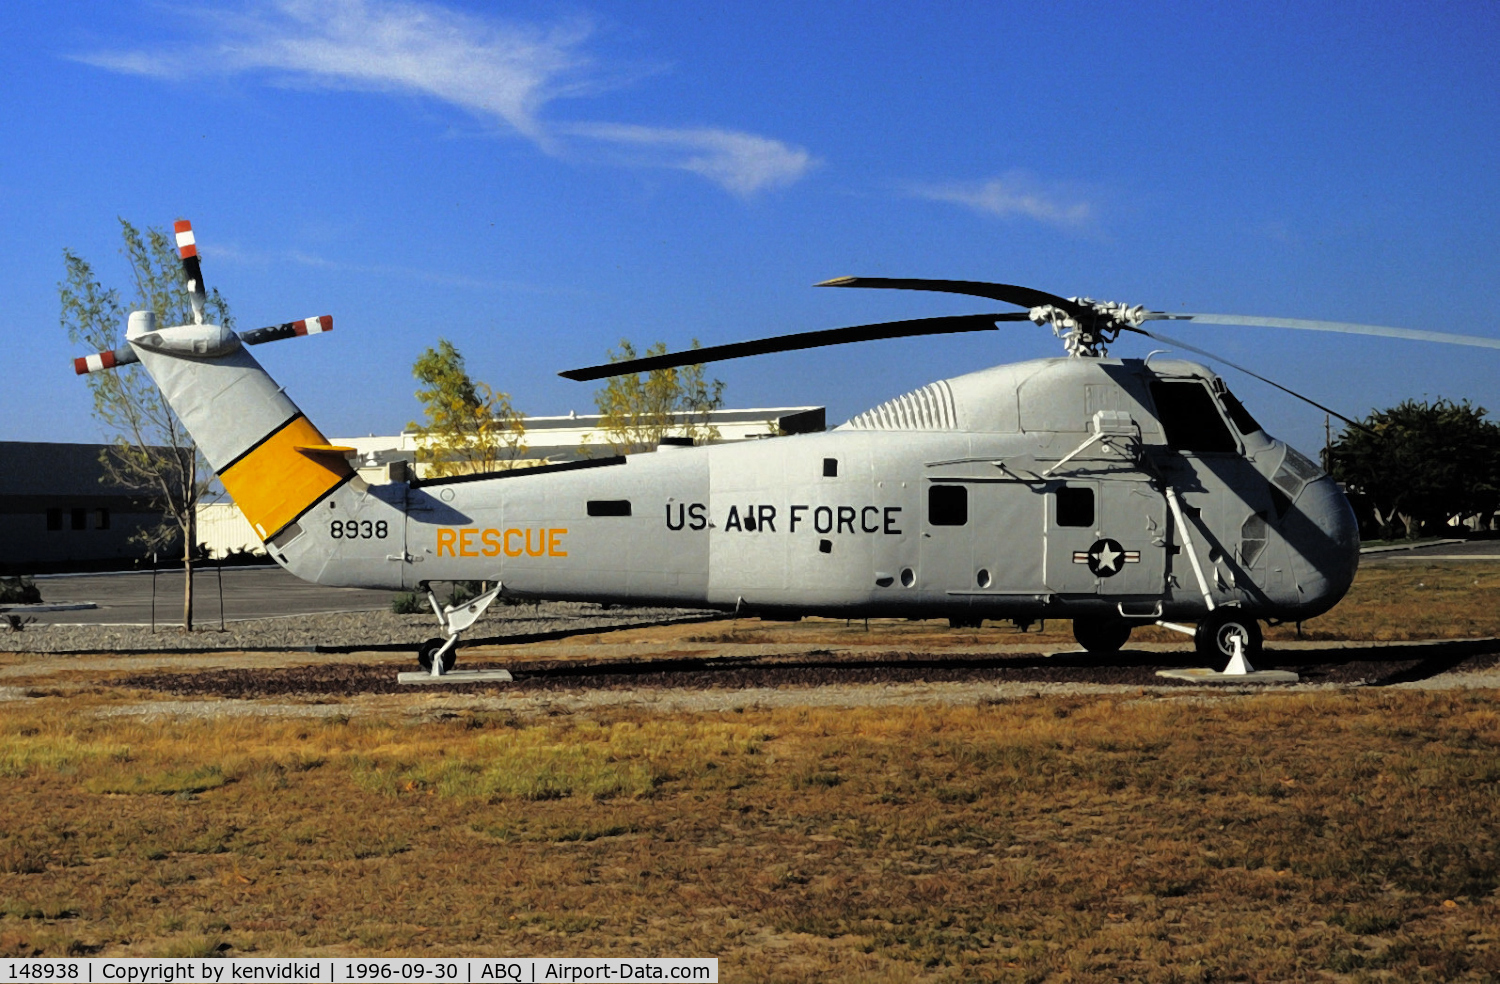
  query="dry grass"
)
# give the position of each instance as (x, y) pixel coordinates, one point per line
(1405, 600)
(1389, 602)
(1336, 836)
(1270, 838)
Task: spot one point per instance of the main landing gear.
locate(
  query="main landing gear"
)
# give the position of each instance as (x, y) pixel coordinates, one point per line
(1225, 635)
(1101, 636)
(438, 656)
(1221, 629)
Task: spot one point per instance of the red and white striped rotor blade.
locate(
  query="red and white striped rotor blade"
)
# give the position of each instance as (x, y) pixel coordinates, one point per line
(187, 248)
(122, 356)
(291, 329)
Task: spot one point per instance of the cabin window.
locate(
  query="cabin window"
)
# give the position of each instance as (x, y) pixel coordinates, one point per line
(948, 505)
(1247, 424)
(101, 519)
(1075, 506)
(1190, 417)
(830, 468)
(1252, 539)
(80, 519)
(54, 519)
(609, 507)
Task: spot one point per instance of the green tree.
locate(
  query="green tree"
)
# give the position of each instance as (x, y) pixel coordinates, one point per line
(1422, 464)
(470, 428)
(639, 409)
(149, 451)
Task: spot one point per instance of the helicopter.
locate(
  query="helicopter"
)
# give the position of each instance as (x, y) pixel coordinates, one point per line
(1112, 492)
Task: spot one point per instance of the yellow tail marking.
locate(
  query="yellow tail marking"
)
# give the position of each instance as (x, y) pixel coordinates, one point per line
(279, 479)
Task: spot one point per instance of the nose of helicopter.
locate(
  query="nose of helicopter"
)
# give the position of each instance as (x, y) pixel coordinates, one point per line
(1327, 555)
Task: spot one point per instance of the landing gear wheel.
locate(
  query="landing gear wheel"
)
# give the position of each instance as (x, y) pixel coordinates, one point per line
(1101, 636)
(1215, 635)
(429, 648)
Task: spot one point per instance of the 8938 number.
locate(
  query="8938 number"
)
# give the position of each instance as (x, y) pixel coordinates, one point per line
(358, 529)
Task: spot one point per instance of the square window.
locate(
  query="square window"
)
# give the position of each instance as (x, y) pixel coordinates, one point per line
(80, 519)
(948, 505)
(1075, 507)
(830, 468)
(54, 519)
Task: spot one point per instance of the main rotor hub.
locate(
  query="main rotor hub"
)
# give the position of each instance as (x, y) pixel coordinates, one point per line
(1088, 336)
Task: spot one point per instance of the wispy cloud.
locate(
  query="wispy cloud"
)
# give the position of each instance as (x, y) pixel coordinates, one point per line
(1016, 194)
(741, 162)
(503, 72)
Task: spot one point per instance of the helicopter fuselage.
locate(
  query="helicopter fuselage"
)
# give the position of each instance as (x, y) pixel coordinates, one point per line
(1069, 488)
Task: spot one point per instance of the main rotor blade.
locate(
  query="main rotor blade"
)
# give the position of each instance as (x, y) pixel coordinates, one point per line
(187, 248)
(1337, 326)
(1249, 372)
(800, 340)
(1024, 297)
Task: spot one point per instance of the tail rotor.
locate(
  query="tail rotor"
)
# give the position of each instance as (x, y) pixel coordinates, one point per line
(192, 272)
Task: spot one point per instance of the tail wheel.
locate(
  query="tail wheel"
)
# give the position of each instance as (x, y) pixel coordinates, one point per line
(1101, 636)
(429, 649)
(1216, 634)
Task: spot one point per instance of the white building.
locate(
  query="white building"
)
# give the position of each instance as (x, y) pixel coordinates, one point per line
(548, 440)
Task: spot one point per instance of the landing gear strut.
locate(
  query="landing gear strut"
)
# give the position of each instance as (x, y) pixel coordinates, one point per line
(444, 649)
(438, 656)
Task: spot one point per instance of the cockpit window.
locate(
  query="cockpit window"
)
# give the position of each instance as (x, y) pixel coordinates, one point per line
(1190, 417)
(1247, 424)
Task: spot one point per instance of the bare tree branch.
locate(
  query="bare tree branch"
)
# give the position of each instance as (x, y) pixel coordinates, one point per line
(150, 453)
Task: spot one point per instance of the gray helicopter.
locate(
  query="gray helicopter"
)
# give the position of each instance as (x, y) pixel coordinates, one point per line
(1111, 492)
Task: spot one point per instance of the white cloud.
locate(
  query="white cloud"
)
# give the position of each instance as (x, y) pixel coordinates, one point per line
(741, 162)
(503, 72)
(1016, 194)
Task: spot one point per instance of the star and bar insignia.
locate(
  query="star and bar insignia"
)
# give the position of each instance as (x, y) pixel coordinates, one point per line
(1106, 557)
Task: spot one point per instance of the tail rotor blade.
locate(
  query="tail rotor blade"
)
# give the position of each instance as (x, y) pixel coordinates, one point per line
(122, 356)
(187, 248)
(291, 329)
(794, 342)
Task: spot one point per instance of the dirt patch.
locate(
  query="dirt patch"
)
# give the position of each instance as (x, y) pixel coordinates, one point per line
(1351, 666)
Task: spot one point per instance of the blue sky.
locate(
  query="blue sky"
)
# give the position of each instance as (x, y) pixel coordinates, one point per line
(535, 181)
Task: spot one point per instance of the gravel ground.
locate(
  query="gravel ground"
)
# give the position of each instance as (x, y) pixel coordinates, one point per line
(262, 668)
(1353, 666)
(343, 632)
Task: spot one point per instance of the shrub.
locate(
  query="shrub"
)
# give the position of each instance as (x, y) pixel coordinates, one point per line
(19, 591)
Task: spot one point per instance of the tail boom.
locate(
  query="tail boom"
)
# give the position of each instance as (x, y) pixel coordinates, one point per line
(254, 437)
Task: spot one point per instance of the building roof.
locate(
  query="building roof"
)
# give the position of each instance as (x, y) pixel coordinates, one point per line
(48, 469)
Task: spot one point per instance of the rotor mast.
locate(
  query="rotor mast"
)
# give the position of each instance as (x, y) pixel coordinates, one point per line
(1090, 325)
